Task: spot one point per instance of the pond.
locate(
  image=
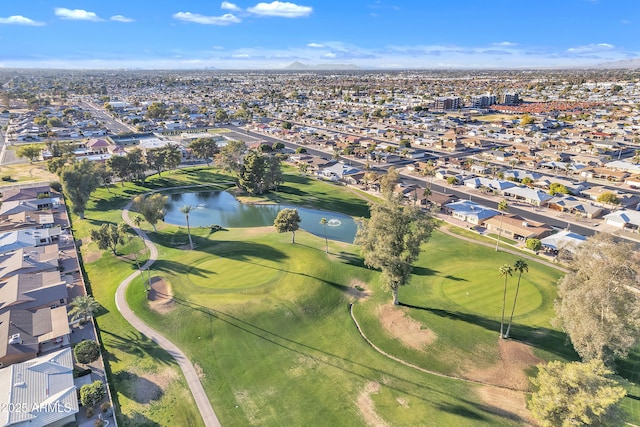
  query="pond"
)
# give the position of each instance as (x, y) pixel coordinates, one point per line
(221, 208)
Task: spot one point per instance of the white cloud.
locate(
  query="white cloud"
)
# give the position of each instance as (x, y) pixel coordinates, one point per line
(20, 20)
(230, 6)
(241, 56)
(76, 14)
(281, 9)
(595, 47)
(317, 45)
(329, 55)
(226, 19)
(120, 18)
(506, 44)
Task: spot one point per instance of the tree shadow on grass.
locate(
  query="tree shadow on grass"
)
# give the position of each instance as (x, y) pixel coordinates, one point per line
(137, 388)
(135, 344)
(345, 364)
(461, 410)
(545, 339)
(351, 259)
(244, 251)
(174, 267)
(136, 419)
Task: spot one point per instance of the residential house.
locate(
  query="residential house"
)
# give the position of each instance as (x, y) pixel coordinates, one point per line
(517, 228)
(527, 195)
(574, 206)
(468, 211)
(624, 219)
(43, 387)
(562, 240)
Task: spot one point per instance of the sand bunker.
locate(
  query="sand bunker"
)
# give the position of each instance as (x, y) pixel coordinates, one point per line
(160, 296)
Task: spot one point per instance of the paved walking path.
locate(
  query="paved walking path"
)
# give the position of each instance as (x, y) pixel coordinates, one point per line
(202, 401)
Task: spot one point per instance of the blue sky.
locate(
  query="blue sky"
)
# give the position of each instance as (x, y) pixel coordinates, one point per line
(186, 34)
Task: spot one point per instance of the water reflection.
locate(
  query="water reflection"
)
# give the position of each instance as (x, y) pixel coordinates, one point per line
(221, 208)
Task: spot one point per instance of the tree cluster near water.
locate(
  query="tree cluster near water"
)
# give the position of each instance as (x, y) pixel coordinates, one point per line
(391, 238)
(259, 173)
(152, 207)
(204, 148)
(164, 158)
(286, 221)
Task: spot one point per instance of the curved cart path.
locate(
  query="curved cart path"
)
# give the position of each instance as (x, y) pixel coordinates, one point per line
(202, 401)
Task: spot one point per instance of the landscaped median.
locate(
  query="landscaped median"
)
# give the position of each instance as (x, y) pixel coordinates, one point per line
(267, 324)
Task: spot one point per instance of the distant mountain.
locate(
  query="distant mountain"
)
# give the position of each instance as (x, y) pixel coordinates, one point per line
(299, 66)
(623, 64)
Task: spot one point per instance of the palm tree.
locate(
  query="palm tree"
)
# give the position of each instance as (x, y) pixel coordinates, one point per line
(83, 306)
(137, 220)
(324, 221)
(186, 210)
(505, 270)
(519, 266)
(503, 207)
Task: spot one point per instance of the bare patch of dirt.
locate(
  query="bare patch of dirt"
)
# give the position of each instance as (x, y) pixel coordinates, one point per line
(358, 291)
(510, 370)
(411, 333)
(152, 385)
(160, 296)
(506, 403)
(248, 405)
(367, 407)
(91, 256)
(199, 371)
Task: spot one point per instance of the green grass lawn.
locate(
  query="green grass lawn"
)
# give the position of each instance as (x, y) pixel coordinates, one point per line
(267, 321)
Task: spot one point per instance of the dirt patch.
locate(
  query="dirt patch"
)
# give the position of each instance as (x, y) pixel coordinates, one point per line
(91, 256)
(507, 403)
(510, 370)
(160, 296)
(367, 407)
(411, 333)
(358, 291)
(152, 385)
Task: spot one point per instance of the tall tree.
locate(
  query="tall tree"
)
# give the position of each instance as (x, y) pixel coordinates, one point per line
(79, 180)
(186, 210)
(151, 207)
(324, 221)
(230, 157)
(391, 240)
(251, 176)
(30, 151)
(288, 220)
(598, 304)
(273, 172)
(137, 165)
(505, 271)
(388, 182)
(204, 148)
(164, 158)
(503, 206)
(120, 167)
(520, 266)
(83, 306)
(109, 236)
(576, 394)
(105, 175)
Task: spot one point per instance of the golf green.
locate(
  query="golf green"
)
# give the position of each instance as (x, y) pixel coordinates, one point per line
(233, 273)
(479, 290)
